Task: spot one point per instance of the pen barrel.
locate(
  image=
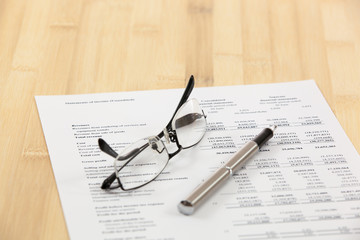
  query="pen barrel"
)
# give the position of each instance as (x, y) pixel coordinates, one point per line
(241, 156)
(189, 205)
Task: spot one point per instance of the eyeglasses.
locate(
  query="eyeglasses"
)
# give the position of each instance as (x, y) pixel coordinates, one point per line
(141, 162)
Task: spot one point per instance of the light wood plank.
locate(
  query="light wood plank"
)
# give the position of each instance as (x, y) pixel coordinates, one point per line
(228, 44)
(257, 51)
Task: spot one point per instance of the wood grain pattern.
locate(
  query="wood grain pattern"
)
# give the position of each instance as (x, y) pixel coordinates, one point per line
(68, 47)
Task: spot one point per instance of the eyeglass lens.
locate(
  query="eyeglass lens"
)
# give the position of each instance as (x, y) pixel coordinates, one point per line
(189, 123)
(143, 166)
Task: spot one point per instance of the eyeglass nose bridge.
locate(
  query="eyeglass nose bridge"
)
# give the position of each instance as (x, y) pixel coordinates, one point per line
(156, 144)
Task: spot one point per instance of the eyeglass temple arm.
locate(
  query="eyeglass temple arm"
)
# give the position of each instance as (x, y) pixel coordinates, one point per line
(107, 149)
(186, 94)
(184, 98)
(108, 181)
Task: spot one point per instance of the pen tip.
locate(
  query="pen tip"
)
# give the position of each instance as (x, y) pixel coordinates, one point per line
(273, 127)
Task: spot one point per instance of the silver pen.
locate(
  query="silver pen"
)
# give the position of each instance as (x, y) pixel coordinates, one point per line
(192, 202)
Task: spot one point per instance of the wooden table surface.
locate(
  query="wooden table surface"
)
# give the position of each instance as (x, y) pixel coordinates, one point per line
(72, 47)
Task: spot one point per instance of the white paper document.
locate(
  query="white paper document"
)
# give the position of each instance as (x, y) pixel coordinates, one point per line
(304, 183)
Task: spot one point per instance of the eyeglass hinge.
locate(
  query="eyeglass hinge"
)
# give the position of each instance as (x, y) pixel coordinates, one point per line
(172, 135)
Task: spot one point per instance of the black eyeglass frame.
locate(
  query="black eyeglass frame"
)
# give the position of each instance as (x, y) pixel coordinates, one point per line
(171, 136)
